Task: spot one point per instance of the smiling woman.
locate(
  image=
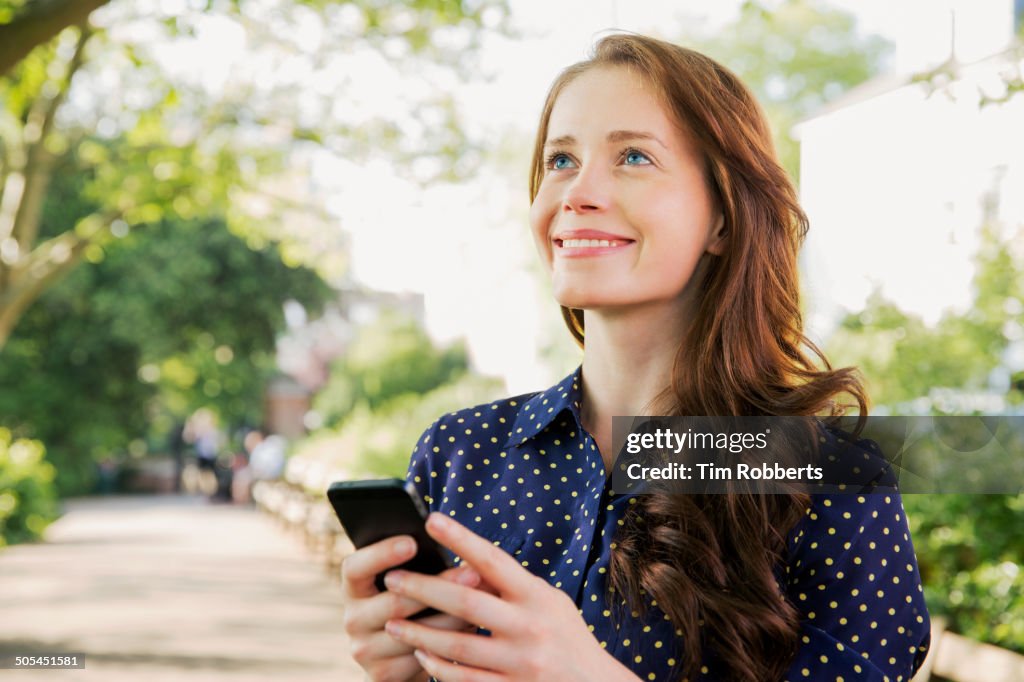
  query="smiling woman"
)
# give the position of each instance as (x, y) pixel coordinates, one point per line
(670, 232)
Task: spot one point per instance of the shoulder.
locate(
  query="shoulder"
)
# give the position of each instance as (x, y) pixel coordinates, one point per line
(477, 425)
(493, 425)
(852, 464)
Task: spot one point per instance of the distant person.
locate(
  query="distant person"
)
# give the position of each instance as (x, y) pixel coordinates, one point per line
(107, 473)
(268, 458)
(241, 483)
(207, 447)
(671, 234)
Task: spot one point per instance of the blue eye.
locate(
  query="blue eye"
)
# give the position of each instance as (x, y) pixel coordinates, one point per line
(558, 161)
(636, 158)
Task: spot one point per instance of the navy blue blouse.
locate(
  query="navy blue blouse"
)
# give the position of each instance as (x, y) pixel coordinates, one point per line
(524, 473)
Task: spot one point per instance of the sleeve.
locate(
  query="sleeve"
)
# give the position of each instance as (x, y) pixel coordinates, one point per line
(423, 472)
(853, 576)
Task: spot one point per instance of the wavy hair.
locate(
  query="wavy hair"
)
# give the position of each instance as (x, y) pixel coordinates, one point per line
(709, 561)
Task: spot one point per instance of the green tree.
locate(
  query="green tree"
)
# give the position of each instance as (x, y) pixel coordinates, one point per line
(185, 151)
(796, 57)
(176, 317)
(968, 546)
(27, 499)
(905, 360)
(390, 358)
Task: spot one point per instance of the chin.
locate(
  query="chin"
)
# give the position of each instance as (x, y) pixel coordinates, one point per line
(589, 300)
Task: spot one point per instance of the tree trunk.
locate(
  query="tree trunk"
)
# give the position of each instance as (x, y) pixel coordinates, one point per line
(41, 21)
(50, 262)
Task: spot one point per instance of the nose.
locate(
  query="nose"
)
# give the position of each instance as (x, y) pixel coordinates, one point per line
(588, 192)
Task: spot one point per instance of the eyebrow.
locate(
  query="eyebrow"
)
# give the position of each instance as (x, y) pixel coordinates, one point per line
(613, 136)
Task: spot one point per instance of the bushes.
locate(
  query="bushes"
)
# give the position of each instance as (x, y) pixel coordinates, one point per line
(27, 497)
(378, 443)
(970, 554)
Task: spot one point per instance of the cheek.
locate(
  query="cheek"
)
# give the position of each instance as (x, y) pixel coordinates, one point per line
(541, 215)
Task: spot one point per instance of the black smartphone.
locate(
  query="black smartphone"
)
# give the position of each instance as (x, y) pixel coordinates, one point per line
(372, 510)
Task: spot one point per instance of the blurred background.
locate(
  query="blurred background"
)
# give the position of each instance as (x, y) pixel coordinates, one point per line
(249, 247)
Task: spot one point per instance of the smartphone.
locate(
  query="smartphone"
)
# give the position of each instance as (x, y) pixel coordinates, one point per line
(372, 510)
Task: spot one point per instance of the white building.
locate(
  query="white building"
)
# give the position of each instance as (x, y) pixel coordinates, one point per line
(898, 175)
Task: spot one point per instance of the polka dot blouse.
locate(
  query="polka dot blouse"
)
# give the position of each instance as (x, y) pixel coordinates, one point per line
(523, 473)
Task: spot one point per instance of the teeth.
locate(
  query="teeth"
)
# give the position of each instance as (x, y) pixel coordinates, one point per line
(588, 243)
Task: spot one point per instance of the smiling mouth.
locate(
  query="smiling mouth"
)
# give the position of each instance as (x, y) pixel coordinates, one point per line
(590, 243)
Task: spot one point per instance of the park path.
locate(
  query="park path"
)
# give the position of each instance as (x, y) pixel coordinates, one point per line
(172, 588)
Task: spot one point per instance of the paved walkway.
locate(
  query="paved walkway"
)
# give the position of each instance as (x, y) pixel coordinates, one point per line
(172, 588)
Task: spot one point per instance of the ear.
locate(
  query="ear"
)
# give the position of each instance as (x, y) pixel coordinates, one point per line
(717, 237)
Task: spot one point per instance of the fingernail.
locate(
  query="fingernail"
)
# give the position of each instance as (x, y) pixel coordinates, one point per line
(393, 579)
(422, 658)
(404, 547)
(393, 628)
(439, 521)
(468, 577)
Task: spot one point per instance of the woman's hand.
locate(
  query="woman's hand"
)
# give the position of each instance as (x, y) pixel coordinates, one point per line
(382, 657)
(537, 632)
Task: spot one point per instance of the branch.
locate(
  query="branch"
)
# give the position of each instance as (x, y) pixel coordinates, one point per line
(40, 21)
(38, 161)
(32, 275)
(51, 261)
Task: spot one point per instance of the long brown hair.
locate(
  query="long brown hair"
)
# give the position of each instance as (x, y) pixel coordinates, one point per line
(709, 561)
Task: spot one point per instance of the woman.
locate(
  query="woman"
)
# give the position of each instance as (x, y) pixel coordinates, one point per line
(671, 234)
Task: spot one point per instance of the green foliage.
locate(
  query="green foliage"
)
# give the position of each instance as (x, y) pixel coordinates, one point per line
(968, 546)
(185, 149)
(395, 430)
(175, 317)
(390, 385)
(971, 559)
(27, 498)
(378, 443)
(388, 359)
(904, 360)
(9, 9)
(795, 56)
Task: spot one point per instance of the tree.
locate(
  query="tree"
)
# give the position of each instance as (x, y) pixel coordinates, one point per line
(967, 546)
(381, 395)
(796, 57)
(905, 360)
(173, 318)
(24, 24)
(389, 359)
(187, 151)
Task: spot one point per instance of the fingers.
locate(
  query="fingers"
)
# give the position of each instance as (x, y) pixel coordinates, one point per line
(493, 563)
(468, 649)
(359, 569)
(378, 648)
(441, 669)
(472, 605)
(381, 644)
(397, 668)
(368, 615)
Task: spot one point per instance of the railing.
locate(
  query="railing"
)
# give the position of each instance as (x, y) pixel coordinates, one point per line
(308, 517)
(957, 658)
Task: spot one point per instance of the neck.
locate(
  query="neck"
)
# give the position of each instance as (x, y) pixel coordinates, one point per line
(627, 364)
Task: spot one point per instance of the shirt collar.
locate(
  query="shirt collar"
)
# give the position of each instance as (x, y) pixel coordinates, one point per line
(539, 411)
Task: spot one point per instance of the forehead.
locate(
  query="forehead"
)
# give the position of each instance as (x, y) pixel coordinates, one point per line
(610, 98)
